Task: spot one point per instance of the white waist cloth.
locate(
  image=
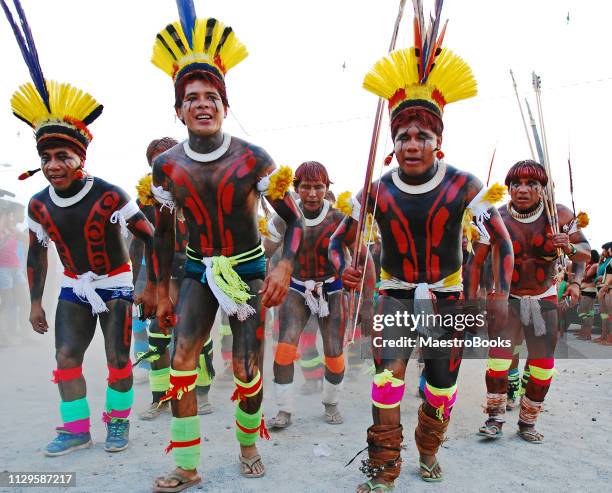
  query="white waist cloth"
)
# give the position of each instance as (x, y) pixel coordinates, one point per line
(423, 296)
(531, 311)
(85, 286)
(318, 305)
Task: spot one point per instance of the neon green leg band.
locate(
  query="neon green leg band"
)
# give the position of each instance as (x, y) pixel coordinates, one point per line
(74, 410)
(185, 430)
(159, 380)
(206, 372)
(247, 426)
(118, 401)
(311, 363)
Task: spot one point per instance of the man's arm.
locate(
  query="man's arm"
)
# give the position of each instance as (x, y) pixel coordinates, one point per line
(473, 269)
(37, 274)
(164, 248)
(142, 230)
(573, 243)
(502, 254)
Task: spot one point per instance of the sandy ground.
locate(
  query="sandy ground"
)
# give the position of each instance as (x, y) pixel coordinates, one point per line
(577, 424)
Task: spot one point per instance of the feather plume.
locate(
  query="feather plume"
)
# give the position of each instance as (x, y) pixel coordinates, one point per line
(67, 102)
(28, 49)
(187, 16)
(143, 189)
(344, 203)
(582, 220)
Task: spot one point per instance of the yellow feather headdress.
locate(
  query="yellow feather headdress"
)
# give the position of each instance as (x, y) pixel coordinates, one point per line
(199, 45)
(425, 75)
(71, 110)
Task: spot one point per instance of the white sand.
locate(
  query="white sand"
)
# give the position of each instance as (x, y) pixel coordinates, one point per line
(577, 453)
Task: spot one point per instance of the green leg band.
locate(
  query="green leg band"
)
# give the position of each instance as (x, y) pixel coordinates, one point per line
(311, 363)
(159, 380)
(118, 401)
(74, 410)
(225, 330)
(247, 421)
(186, 430)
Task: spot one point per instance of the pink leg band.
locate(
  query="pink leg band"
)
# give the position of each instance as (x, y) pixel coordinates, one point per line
(442, 403)
(387, 396)
(78, 426)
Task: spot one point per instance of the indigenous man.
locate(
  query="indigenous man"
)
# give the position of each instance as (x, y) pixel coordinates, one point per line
(421, 209)
(85, 217)
(605, 297)
(533, 295)
(315, 290)
(156, 353)
(216, 180)
(588, 293)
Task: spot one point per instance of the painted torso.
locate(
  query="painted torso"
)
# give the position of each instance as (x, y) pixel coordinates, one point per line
(534, 254)
(312, 259)
(219, 199)
(83, 234)
(421, 233)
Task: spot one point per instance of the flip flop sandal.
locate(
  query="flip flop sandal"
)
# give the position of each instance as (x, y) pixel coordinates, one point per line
(429, 479)
(250, 462)
(276, 424)
(490, 431)
(531, 436)
(183, 483)
(374, 487)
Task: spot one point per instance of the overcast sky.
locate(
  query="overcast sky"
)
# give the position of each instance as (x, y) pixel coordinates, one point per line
(299, 92)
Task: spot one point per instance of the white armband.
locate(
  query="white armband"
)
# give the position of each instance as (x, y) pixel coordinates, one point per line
(41, 234)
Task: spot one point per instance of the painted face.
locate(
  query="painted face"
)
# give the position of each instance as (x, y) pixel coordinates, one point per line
(202, 109)
(61, 167)
(415, 149)
(525, 193)
(312, 194)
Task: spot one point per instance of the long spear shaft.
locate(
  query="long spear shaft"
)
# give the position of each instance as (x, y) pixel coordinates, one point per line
(536, 136)
(370, 167)
(518, 100)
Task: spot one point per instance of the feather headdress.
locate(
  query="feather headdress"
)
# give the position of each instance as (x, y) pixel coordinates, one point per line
(54, 110)
(426, 75)
(193, 44)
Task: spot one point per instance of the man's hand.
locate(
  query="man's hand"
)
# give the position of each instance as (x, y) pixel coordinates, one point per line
(276, 284)
(561, 240)
(573, 292)
(497, 309)
(148, 298)
(166, 318)
(351, 277)
(38, 319)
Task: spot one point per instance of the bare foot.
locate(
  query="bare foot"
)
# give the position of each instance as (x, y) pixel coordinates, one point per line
(177, 480)
(251, 465)
(433, 471)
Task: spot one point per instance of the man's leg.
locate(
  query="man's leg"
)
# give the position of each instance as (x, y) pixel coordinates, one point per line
(586, 314)
(441, 373)
(310, 361)
(74, 330)
(385, 436)
(196, 314)
(497, 376)
(117, 329)
(247, 351)
(332, 330)
(293, 316)
(225, 342)
(541, 362)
